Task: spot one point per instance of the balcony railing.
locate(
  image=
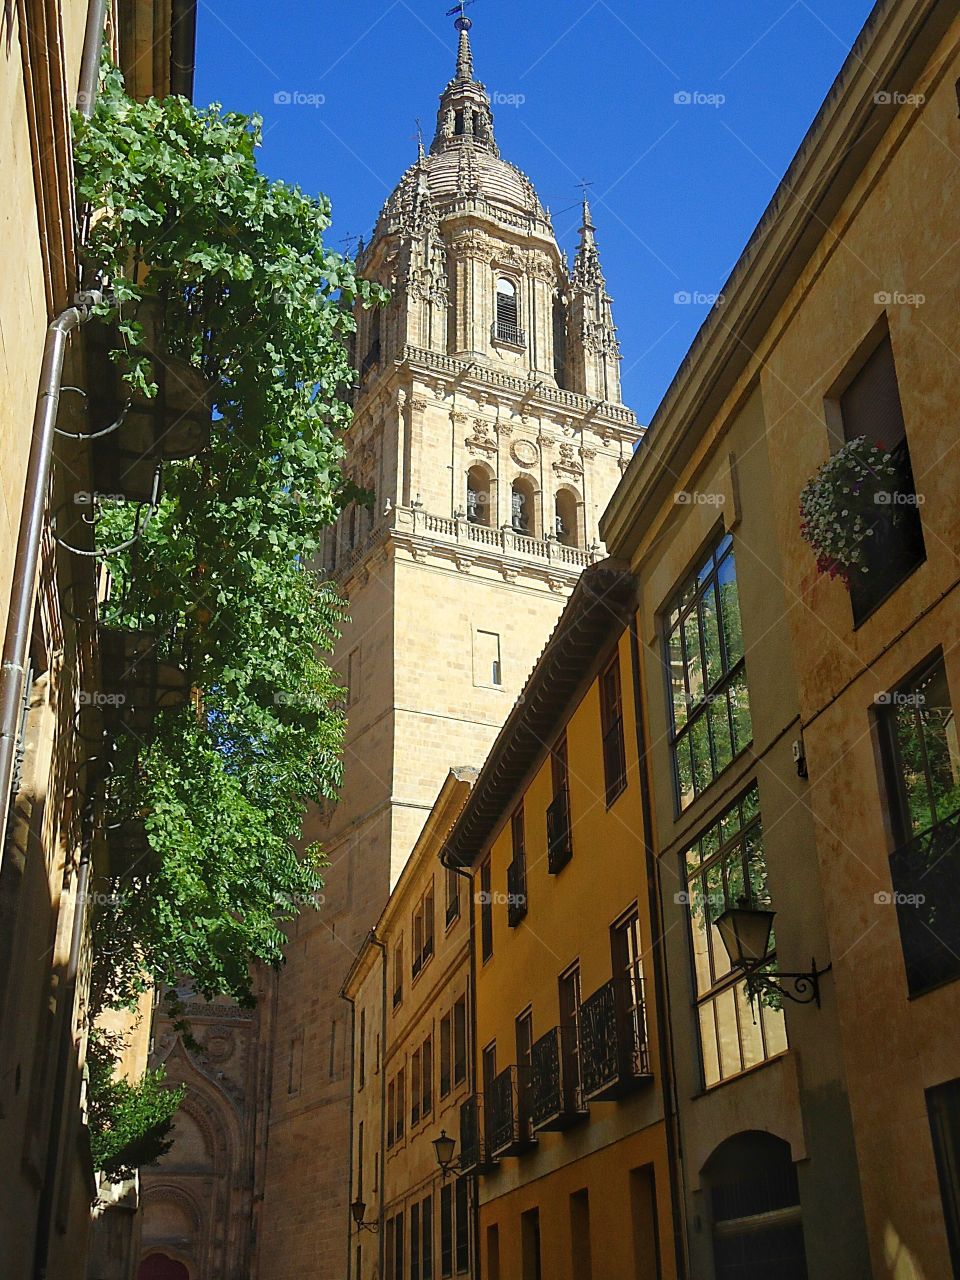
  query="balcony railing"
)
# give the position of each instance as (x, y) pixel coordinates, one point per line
(516, 892)
(926, 882)
(559, 843)
(474, 1148)
(613, 1048)
(509, 333)
(508, 1125)
(555, 1097)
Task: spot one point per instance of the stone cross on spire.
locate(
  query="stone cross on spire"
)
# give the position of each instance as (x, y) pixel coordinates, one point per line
(464, 52)
(465, 118)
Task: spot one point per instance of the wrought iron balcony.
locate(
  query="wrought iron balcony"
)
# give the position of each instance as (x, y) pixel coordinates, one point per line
(474, 1148)
(613, 1048)
(508, 1125)
(555, 1098)
(512, 334)
(926, 884)
(559, 842)
(516, 892)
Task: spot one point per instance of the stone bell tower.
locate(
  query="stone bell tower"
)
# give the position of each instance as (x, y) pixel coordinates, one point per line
(489, 428)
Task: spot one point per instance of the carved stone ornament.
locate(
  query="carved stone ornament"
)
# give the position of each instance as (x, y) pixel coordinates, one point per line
(525, 453)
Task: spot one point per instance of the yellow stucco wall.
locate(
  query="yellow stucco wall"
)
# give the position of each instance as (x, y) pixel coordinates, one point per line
(569, 917)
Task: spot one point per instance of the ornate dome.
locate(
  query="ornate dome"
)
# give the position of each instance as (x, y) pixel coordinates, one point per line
(463, 160)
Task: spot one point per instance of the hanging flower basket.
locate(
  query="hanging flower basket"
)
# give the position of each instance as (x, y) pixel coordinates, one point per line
(847, 505)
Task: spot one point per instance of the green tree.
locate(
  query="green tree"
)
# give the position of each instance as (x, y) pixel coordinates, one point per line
(239, 282)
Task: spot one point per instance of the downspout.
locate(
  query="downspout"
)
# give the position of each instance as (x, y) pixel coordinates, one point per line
(65, 1010)
(16, 641)
(90, 58)
(381, 1189)
(468, 876)
(353, 1052)
(661, 980)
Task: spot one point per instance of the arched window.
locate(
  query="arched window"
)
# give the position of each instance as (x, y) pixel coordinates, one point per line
(755, 1209)
(567, 518)
(523, 507)
(478, 496)
(160, 1266)
(507, 328)
(372, 358)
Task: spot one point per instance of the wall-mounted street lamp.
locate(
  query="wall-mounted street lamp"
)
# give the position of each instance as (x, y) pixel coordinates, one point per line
(745, 932)
(444, 1146)
(358, 1209)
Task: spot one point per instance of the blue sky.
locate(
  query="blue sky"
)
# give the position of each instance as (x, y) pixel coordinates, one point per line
(586, 90)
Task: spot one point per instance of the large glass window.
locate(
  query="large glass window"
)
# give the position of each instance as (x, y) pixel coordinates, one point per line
(724, 867)
(611, 731)
(710, 707)
(922, 760)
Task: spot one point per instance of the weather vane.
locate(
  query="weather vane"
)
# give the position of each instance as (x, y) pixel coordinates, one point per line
(462, 23)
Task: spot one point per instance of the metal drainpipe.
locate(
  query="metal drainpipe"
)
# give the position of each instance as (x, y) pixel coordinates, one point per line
(16, 642)
(664, 1026)
(469, 877)
(90, 58)
(381, 1189)
(65, 1011)
(353, 1036)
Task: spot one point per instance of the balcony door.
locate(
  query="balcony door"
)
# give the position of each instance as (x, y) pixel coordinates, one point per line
(628, 982)
(570, 1025)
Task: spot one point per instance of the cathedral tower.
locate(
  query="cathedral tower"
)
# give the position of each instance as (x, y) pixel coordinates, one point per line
(490, 431)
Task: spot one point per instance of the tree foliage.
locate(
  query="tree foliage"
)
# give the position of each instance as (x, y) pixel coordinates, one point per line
(130, 1123)
(235, 266)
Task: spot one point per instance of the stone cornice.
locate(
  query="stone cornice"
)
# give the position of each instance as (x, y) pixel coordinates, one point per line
(471, 376)
(890, 53)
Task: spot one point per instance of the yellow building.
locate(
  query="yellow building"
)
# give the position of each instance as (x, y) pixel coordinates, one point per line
(409, 995)
(50, 846)
(564, 1129)
(801, 735)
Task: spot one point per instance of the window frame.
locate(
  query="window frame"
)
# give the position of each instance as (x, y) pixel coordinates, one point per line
(731, 979)
(611, 722)
(684, 603)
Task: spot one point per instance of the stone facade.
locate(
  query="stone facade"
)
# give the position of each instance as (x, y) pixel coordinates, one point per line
(482, 416)
(853, 269)
(198, 1200)
(410, 1003)
(51, 843)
